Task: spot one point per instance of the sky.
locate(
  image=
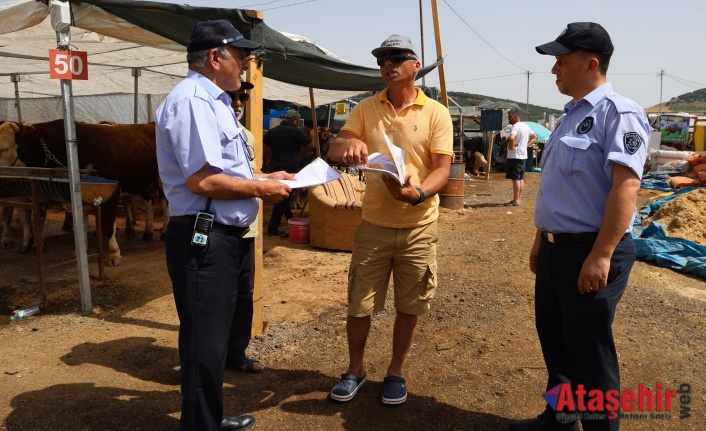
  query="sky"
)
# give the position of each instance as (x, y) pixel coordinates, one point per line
(488, 47)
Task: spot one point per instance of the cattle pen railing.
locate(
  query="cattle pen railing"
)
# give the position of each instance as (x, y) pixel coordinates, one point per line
(51, 186)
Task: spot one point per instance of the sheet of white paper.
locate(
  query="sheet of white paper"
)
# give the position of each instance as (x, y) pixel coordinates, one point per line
(313, 174)
(380, 164)
(397, 156)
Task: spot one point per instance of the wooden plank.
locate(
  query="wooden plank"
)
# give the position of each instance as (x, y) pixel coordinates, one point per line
(255, 14)
(39, 173)
(253, 122)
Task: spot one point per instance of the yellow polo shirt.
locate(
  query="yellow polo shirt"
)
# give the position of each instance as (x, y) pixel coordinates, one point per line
(420, 129)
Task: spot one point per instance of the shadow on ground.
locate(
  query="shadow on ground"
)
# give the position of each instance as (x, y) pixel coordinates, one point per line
(303, 394)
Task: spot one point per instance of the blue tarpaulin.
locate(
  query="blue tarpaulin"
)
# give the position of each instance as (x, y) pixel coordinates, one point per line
(657, 180)
(653, 244)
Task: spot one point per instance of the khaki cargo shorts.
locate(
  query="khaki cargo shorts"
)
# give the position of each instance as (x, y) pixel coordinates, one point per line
(408, 253)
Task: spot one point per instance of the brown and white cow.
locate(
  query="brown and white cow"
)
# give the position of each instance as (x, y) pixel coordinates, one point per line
(126, 153)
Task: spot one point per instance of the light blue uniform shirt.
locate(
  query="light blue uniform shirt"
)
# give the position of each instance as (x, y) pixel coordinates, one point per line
(603, 128)
(195, 126)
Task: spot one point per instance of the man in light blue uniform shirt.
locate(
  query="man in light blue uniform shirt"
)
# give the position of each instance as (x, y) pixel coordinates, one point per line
(583, 251)
(204, 166)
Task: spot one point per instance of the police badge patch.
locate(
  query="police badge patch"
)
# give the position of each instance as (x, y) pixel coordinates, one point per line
(585, 126)
(632, 142)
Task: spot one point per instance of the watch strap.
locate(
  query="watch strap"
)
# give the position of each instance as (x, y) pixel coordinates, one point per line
(421, 197)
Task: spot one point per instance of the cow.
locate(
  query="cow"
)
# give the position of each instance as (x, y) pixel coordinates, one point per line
(8, 157)
(125, 153)
(129, 201)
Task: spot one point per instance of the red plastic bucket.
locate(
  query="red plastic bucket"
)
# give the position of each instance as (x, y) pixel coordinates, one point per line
(299, 230)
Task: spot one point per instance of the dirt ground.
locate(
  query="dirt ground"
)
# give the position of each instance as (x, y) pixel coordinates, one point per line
(475, 364)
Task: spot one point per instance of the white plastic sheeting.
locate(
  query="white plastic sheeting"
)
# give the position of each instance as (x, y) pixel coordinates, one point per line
(26, 35)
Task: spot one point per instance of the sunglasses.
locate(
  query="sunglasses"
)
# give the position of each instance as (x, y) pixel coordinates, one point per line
(395, 58)
(243, 97)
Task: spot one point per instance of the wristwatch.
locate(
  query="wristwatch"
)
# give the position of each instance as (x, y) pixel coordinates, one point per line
(421, 197)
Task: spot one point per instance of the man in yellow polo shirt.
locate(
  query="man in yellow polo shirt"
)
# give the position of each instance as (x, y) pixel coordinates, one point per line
(398, 233)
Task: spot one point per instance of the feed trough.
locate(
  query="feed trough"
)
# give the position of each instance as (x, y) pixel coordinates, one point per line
(51, 185)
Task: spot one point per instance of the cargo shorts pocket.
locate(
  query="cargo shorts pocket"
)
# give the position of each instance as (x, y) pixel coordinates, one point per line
(427, 286)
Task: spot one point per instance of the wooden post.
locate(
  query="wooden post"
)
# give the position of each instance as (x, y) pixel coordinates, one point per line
(439, 54)
(313, 120)
(39, 241)
(254, 124)
(489, 153)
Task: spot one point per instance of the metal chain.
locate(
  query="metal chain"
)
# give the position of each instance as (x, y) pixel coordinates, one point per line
(48, 156)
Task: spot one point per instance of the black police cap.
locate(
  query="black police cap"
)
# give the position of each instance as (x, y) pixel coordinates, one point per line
(212, 34)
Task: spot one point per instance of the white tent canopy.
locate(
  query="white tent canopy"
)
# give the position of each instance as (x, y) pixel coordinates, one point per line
(26, 35)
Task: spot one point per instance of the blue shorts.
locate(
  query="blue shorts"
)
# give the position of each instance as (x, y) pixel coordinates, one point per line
(515, 169)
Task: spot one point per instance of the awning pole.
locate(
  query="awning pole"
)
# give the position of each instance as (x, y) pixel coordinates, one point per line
(489, 138)
(136, 71)
(253, 122)
(313, 120)
(75, 182)
(16, 79)
(439, 54)
(149, 108)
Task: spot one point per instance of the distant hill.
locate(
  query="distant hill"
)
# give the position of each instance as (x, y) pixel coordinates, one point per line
(693, 103)
(536, 113)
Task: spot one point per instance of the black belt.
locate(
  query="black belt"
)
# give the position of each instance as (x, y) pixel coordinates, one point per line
(220, 228)
(570, 238)
(576, 238)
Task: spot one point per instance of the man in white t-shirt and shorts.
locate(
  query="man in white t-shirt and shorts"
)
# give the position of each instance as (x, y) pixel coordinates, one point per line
(520, 137)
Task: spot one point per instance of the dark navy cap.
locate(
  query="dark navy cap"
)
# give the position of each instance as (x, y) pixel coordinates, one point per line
(584, 36)
(212, 34)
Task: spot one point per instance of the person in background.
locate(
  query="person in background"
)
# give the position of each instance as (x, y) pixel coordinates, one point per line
(241, 328)
(583, 249)
(286, 142)
(398, 233)
(518, 141)
(213, 197)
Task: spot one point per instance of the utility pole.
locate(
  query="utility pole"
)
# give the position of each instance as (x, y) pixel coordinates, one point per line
(439, 53)
(661, 79)
(528, 76)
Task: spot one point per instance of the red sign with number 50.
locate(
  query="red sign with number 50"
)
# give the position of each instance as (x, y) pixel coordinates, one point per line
(68, 64)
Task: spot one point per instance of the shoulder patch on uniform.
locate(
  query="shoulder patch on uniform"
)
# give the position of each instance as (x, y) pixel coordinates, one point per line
(632, 142)
(585, 126)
